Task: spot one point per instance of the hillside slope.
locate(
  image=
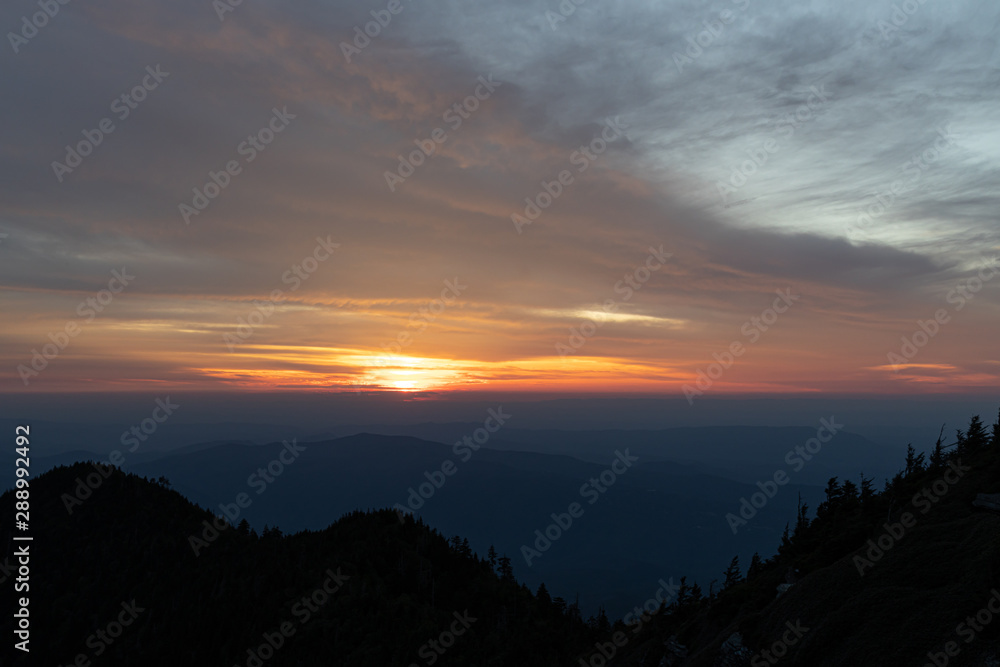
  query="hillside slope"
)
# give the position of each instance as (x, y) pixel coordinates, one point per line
(898, 577)
(367, 590)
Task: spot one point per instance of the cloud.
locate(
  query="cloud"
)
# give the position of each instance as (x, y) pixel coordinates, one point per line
(690, 129)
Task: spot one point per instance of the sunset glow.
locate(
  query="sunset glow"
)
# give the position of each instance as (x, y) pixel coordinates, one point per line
(601, 234)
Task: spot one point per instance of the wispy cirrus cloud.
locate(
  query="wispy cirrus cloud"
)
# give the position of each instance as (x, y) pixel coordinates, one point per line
(688, 131)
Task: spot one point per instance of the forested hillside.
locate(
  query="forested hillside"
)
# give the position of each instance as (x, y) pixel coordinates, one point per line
(368, 590)
(133, 573)
(908, 575)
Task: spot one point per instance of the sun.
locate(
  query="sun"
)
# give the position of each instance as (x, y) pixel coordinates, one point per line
(411, 374)
(409, 380)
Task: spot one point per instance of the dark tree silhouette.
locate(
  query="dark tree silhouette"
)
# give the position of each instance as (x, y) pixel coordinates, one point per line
(543, 594)
(937, 456)
(867, 490)
(976, 437)
(914, 463)
(505, 569)
(755, 566)
(733, 574)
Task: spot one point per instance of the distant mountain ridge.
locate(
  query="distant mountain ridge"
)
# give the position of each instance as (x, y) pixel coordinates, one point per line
(658, 512)
(366, 590)
(875, 577)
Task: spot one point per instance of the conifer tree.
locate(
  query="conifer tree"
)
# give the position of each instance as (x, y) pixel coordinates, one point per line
(867, 490)
(683, 594)
(733, 574)
(755, 566)
(801, 522)
(937, 456)
(976, 437)
(696, 595)
(914, 462)
(785, 548)
(603, 625)
(833, 492)
(573, 611)
(506, 571)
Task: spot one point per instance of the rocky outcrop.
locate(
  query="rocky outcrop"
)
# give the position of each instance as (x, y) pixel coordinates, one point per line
(733, 653)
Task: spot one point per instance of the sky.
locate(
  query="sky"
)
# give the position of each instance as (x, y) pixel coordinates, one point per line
(676, 199)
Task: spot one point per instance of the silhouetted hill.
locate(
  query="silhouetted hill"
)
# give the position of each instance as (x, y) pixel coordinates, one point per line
(657, 514)
(741, 453)
(901, 576)
(876, 578)
(401, 585)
